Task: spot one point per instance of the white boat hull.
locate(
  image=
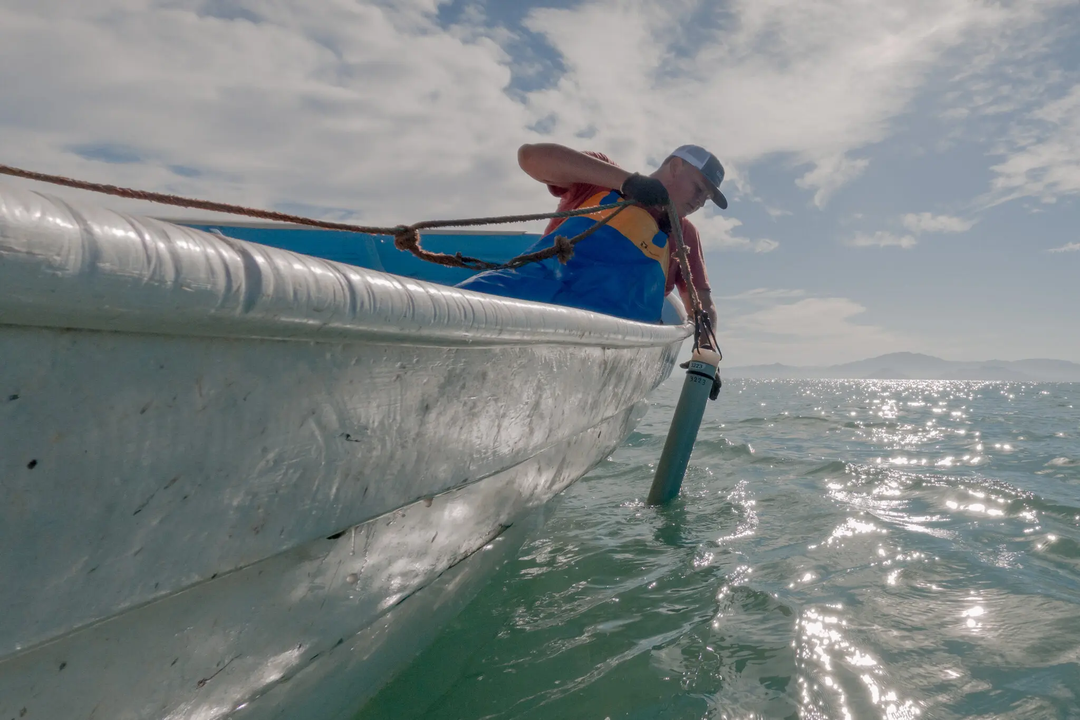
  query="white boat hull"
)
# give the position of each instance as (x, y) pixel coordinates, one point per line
(184, 422)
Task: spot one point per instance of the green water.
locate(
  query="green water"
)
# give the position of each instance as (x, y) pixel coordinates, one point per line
(841, 549)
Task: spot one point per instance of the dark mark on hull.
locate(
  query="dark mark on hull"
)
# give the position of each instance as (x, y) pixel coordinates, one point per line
(205, 680)
(144, 503)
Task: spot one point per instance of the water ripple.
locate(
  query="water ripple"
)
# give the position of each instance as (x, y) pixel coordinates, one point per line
(841, 549)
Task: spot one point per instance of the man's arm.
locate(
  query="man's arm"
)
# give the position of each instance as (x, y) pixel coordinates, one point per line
(561, 166)
(706, 303)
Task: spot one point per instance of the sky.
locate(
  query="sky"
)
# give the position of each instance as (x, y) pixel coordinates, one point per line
(902, 176)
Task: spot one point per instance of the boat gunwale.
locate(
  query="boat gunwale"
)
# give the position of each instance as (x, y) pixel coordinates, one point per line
(73, 265)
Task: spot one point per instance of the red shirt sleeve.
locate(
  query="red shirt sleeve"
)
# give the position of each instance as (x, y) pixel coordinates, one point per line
(696, 261)
(570, 198)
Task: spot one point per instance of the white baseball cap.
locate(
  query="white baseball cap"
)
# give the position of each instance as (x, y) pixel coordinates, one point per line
(709, 166)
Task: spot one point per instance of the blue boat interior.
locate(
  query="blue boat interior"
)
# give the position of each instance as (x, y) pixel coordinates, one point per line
(377, 252)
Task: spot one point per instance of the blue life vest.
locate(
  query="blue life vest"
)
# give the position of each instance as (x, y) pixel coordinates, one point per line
(620, 269)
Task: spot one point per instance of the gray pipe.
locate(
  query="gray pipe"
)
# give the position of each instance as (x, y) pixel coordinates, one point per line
(684, 426)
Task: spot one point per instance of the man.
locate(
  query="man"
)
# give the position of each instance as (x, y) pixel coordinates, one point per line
(627, 267)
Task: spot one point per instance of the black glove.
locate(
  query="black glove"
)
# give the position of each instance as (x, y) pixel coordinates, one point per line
(645, 190)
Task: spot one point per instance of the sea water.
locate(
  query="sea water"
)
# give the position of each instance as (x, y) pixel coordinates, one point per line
(841, 549)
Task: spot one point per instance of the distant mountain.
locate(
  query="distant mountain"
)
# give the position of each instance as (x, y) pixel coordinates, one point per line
(915, 366)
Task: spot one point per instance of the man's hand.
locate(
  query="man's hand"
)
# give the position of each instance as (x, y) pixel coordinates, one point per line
(645, 190)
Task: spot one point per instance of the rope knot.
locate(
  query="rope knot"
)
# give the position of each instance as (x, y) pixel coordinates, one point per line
(406, 238)
(564, 249)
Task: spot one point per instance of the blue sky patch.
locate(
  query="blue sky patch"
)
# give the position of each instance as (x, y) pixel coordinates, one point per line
(108, 153)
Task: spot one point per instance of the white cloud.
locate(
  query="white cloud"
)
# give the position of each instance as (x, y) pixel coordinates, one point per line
(883, 239)
(717, 233)
(809, 317)
(342, 106)
(764, 295)
(332, 104)
(830, 175)
(1043, 159)
(810, 331)
(917, 224)
(1070, 247)
(818, 81)
(1014, 68)
(928, 223)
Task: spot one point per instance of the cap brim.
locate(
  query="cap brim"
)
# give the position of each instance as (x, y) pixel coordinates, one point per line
(719, 199)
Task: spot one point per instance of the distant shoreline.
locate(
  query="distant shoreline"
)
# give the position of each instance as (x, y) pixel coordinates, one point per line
(915, 366)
